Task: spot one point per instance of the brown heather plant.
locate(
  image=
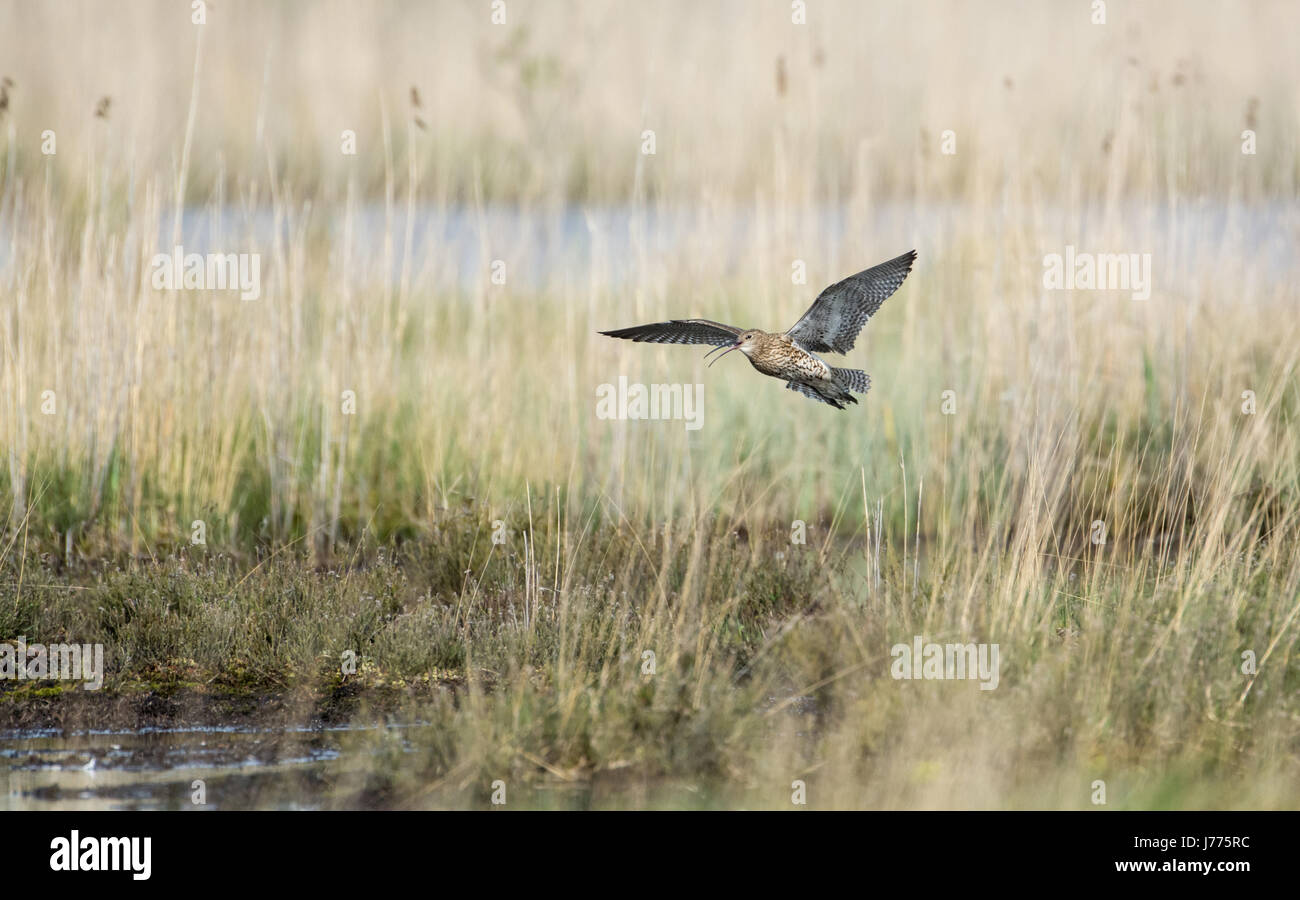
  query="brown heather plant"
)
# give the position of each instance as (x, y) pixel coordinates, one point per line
(475, 402)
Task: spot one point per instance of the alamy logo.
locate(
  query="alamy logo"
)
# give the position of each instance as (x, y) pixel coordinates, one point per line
(923, 661)
(105, 854)
(658, 401)
(179, 270)
(53, 662)
(1098, 272)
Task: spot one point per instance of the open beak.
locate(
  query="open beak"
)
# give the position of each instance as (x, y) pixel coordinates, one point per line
(735, 346)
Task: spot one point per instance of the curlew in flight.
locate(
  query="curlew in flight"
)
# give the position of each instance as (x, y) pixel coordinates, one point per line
(831, 324)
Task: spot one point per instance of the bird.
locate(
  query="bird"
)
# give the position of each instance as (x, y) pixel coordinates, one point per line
(831, 325)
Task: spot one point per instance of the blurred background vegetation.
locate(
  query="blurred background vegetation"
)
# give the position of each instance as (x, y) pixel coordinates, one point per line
(776, 146)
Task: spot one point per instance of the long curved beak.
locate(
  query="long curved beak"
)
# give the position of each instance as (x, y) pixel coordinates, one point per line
(735, 346)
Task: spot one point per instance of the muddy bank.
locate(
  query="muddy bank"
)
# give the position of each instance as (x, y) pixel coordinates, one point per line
(69, 711)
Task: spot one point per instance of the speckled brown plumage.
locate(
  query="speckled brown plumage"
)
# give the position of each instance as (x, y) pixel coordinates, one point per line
(832, 323)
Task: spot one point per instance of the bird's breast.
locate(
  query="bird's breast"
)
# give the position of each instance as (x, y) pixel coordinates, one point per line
(783, 360)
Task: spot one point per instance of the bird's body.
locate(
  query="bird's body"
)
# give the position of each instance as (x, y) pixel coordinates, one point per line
(832, 324)
(779, 356)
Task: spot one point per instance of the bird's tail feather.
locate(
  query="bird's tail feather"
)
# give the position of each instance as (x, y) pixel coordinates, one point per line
(852, 379)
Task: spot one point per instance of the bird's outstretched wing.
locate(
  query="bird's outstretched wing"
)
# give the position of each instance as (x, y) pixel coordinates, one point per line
(680, 331)
(836, 317)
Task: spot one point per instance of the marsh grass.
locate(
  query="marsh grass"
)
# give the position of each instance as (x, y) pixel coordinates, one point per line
(475, 402)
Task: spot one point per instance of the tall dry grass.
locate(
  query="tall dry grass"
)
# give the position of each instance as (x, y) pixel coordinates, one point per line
(475, 402)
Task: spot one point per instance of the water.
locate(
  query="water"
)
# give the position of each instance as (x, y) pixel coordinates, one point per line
(316, 766)
(239, 767)
(453, 248)
(568, 248)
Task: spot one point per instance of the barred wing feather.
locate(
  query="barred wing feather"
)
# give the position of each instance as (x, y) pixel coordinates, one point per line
(680, 331)
(836, 317)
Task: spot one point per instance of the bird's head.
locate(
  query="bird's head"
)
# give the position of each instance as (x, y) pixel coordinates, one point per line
(745, 343)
